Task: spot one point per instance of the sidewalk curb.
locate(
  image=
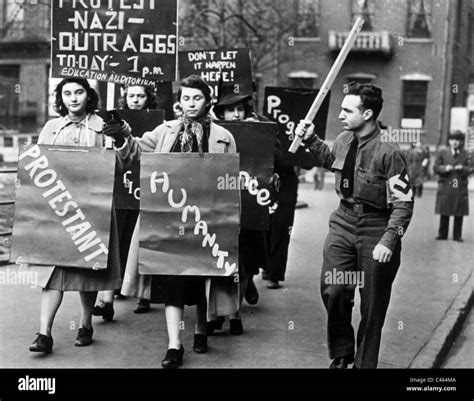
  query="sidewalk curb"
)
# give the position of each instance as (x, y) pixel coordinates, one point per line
(432, 354)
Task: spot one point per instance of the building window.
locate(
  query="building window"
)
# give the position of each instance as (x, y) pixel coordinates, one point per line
(360, 78)
(13, 19)
(306, 18)
(414, 100)
(8, 142)
(419, 19)
(302, 79)
(364, 9)
(9, 104)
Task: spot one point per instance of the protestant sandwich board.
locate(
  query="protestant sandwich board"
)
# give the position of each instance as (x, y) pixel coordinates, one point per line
(256, 144)
(63, 206)
(287, 106)
(126, 42)
(187, 225)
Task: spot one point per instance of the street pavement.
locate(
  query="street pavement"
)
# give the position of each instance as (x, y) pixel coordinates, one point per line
(286, 329)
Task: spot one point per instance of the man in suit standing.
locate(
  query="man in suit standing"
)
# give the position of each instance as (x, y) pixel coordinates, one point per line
(452, 199)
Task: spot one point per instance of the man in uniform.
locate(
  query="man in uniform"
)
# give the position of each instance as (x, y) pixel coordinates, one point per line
(365, 231)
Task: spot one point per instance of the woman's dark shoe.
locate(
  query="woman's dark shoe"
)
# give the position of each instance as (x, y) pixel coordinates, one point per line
(173, 358)
(215, 325)
(84, 337)
(220, 322)
(42, 343)
(251, 293)
(142, 306)
(200, 343)
(98, 309)
(210, 327)
(106, 310)
(236, 327)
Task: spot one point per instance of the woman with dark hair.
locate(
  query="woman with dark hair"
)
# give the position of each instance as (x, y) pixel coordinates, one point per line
(194, 132)
(138, 98)
(76, 102)
(74, 108)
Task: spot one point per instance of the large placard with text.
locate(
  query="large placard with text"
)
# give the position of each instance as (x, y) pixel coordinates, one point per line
(63, 206)
(122, 41)
(188, 226)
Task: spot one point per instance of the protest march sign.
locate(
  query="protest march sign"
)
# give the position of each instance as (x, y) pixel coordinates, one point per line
(232, 64)
(256, 144)
(287, 106)
(63, 206)
(127, 182)
(187, 225)
(127, 42)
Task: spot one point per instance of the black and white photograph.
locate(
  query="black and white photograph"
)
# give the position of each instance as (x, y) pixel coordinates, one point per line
(297, 174)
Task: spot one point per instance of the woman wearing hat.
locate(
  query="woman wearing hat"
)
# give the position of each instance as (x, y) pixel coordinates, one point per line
(233, 106)
(452, 166)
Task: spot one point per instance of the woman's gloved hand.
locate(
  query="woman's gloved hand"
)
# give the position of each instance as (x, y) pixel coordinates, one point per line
(113, 129)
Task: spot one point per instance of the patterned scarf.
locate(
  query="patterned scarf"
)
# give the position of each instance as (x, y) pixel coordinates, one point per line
(193, 129)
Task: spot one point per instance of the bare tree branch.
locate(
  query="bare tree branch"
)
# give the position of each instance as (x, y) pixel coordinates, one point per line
(262, 26)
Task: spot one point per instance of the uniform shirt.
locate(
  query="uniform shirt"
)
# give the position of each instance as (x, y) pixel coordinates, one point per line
(380, 177)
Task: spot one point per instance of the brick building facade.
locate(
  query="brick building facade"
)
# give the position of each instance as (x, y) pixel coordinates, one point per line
(24, 63)
(420, 52)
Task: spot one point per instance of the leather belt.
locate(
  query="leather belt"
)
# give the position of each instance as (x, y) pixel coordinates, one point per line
(363, 208)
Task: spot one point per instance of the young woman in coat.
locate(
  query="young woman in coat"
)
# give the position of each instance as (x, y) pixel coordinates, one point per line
(78, 125)
(252, 243)
(193, 132)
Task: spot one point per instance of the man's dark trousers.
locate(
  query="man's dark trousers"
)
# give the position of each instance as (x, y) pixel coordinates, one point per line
(281, 224)
(444, 227)
(351, 239)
